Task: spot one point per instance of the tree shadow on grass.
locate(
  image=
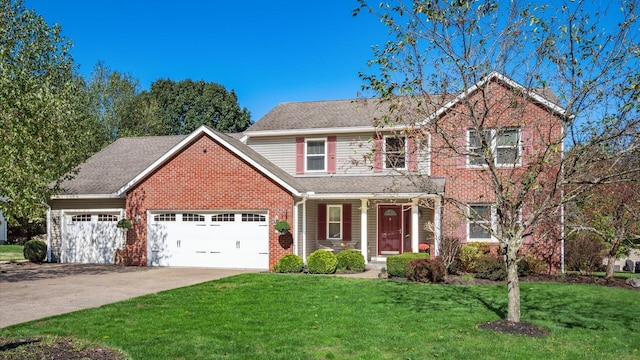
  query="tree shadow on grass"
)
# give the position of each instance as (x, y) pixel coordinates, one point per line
(584, 307)
(430, 297)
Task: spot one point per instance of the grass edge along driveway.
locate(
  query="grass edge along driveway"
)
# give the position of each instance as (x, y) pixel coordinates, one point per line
(272, 316)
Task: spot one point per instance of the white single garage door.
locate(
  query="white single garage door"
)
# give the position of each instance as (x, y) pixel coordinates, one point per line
(91, 238)
(209, 239)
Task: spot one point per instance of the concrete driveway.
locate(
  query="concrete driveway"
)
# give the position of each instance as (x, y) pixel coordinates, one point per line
(33, 291)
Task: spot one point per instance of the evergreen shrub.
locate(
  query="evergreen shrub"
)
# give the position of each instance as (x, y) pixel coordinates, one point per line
(397, 264)
(322, 262)
(35, 251)
(289, 263)
(350, 259)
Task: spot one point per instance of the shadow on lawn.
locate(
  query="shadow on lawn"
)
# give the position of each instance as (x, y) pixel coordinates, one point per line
(565, 306)
(450, 297)
(585, 308)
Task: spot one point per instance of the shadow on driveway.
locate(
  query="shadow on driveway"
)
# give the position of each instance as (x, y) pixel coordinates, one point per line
(28, 271)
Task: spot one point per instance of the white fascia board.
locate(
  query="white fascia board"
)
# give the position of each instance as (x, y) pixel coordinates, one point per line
(93, 211)
(537, 97)
(319, 131)
(186, 141)
(87, 196)
(370, 196)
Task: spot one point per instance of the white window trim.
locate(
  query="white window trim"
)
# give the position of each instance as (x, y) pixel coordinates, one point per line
(494, 148)
(306, 155)
(341, 222)
(470, 222)
(384, 152)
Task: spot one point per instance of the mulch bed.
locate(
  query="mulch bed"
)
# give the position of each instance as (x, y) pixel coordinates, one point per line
(57, 348)
(515, 328)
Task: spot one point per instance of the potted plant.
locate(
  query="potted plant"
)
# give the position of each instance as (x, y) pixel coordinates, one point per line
(282, 227)
(124, 224)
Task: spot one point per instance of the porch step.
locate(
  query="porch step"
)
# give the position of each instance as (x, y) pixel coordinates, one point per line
(376, 265)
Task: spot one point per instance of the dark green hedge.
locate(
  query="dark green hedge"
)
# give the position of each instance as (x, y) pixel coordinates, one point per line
(397, 264)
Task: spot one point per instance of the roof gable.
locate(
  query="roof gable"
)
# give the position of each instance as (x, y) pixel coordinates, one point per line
(230, 144)
(544, 97)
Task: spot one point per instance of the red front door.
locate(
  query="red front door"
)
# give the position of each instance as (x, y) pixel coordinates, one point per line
(389, 229)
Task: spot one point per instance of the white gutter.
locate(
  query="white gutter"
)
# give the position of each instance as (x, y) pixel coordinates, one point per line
(352, 196)
(87, 196)
(319, 131)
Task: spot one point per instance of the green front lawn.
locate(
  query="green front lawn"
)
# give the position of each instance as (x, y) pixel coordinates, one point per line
(11, 252)
(271, 316)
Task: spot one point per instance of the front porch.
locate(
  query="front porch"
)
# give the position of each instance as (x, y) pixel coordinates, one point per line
(377, 227)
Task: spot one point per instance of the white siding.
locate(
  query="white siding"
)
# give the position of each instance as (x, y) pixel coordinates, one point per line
(279, 150)
(353, 153)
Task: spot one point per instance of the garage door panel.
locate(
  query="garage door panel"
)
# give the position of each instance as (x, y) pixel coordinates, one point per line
(212, 240)
(91, 238)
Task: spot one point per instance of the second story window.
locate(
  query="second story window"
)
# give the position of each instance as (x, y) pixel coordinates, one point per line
(503, 144)
(316, 155)
(395, 152)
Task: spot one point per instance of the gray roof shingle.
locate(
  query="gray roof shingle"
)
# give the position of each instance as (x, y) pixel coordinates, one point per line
(318, 115)
(373, 185)
(112, 167)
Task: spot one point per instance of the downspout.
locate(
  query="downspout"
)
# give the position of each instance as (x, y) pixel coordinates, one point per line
(48, 230)
(562, 233)
(296, 214)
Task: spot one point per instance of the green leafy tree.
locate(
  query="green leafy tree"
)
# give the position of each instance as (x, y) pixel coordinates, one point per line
(611, 212)
(46, 128)
(185, 105)
(119, 107)
(586, 54)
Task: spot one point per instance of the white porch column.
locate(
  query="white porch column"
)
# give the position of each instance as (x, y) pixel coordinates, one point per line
(304, 232)
(437, 225)
(415, 226)
(363, 228)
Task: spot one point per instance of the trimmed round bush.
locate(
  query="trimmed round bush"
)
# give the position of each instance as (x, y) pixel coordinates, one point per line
(491, 267)
(322, 262)
(397, 264)
(426, 270)
(35, 251)
(350, 259)
(289, 263)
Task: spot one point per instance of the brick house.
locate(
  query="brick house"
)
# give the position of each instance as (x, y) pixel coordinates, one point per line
(210, 199)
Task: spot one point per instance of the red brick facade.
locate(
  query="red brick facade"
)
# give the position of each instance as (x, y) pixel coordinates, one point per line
(539, 128)
(205, 176)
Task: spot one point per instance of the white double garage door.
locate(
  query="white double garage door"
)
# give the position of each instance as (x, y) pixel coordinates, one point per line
(208, 239)
(191, 239)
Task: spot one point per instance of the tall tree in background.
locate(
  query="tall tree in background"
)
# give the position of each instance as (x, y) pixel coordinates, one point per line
(185, 105)
(586, 54)
(119, 107)
(610, 212)
(45, 126)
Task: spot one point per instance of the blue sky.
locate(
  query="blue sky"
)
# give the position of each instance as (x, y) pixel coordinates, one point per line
(268, 52)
